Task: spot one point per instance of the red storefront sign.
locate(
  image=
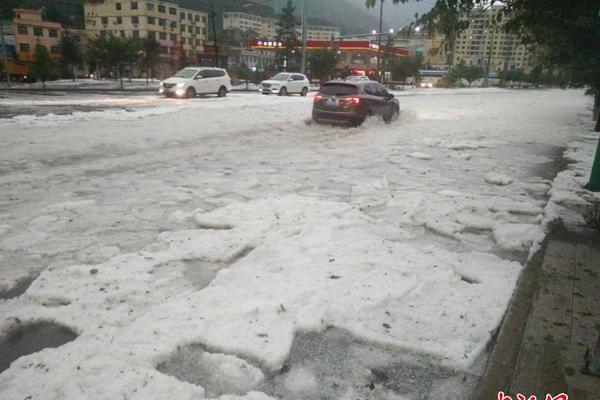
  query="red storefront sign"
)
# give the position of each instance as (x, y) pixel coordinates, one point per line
(342, 45)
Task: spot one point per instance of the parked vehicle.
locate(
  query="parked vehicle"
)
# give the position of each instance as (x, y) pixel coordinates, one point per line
(357, 78)
(286, 83)
(352, 102)
(192, 81)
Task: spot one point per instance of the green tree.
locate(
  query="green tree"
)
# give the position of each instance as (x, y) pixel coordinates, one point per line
(115, 52)
(287, 32)
(470, 73)
(242, 73)
(150, 52)
(322, 64)
(407, 67)
(42, 68)
(70, 52)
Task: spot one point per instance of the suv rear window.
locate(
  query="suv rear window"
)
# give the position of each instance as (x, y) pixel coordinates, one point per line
(338, 89)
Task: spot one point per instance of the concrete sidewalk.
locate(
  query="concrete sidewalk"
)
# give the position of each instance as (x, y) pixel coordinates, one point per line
(552, 328)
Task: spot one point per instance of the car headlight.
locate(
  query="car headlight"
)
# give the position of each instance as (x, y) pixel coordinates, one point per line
(161, 84)
(181, 84)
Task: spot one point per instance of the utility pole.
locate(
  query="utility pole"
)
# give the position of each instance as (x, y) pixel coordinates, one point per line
(4, 55)
(214, 28)
(379, 38)
(489, 60)
(304, 31)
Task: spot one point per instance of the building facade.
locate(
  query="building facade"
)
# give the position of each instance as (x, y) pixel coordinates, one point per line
(180, 31)
(266, 27)
(26, 32)
(31, 31)
(485, 38)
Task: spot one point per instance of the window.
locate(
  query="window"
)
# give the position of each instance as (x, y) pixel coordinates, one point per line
(118, 6)
(134, 5)
(37, 31)
(197, 31)
(53, 49)
(103, 34)
(161, 8)
(135, 34)
(22, 29)
(190, 41)
(162, 36)
(104, 20)
(151, 20)
(190, 29)
(152, 34)
(24, 47)
(173, 37)
(150, 6)
(173, 24)
(162, 22)
(52, 33)
(204, 31)
(203, 19)
(182, 28)
(122, 34)
(182, 15)
(172, 11)
(119, 20)
(197, 18)
(135, 20)
(190, 17)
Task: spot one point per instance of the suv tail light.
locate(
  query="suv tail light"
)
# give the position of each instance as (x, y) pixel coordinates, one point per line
(318, 97)
(351, 100)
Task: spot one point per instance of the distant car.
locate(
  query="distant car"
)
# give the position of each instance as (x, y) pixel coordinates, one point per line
(359, 78)
(192, 81)
(426, 85)
(343, 102)
(286, 83)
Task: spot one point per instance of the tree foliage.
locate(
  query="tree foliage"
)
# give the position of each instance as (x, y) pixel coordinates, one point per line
(71, 53)
(322, 64)
(470, 73)
(286, 30)
(406, 67)
(115, 52)
(42, 67)
(149, 56)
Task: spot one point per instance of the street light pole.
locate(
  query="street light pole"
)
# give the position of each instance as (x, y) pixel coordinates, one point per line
(379, 38)
(304, 31)
(214, 29)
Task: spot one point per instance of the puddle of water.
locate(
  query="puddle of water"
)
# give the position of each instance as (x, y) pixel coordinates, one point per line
(19, 288)
(333, 365)
(218, 374)
(32, 338)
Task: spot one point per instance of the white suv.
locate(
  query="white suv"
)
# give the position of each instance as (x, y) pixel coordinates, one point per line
(286, 83)
(191, 81)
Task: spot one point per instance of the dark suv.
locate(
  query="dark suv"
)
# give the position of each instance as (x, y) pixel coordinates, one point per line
(352, 102)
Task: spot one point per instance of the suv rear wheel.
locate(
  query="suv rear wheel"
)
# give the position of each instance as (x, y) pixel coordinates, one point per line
(222, 92)
(304, 92)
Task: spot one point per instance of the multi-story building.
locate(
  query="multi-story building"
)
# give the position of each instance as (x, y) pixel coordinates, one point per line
(177, 29)
(30, 31)
(486, 38)
(322, 32)
(266, 27)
